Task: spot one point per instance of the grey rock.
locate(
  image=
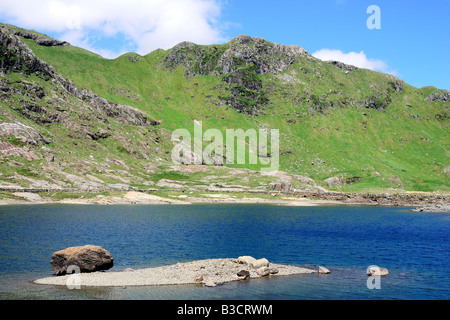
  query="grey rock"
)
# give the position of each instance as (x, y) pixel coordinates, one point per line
(25, 133)
(322, 270)
(377, 271)
(438, 207)
(210, 283)
(333, 181)
(342, 65)
(51, 42)
(243, 274)
(248, 260)
(442, 95)
(263, 271)
(273, 270)
(260, 263)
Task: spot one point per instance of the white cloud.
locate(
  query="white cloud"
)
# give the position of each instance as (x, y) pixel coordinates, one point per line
(358, 59)
(148, 24)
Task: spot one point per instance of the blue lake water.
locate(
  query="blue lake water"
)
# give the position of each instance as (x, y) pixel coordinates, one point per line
(346, 239)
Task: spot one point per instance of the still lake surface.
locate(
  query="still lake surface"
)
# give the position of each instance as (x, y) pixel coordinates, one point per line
(413, 246)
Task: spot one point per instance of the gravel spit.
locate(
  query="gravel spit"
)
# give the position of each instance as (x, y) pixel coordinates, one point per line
(211, 272)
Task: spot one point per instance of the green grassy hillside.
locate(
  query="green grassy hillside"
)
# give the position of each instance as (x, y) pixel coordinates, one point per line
(371, 131)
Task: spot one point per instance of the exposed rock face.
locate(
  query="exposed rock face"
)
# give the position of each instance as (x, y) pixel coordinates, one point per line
(342, 65)
(43, 41)
(266, 56)
(18, 57)
(242, 60)
(443, 207)
(51, 42)
(52, 101)
(88, 258)
(9, 149)
(281, 187)
(22, 132)
(333, 181)
(443, 95)
(241, 51)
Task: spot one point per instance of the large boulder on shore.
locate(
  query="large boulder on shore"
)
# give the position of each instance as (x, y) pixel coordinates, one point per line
(248, 260)
(88, 258)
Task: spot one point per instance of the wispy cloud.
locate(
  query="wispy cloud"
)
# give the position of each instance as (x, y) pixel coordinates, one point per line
(358, 59)
(148, 25)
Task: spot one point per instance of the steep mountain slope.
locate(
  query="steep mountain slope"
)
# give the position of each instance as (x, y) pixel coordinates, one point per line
(98, 122)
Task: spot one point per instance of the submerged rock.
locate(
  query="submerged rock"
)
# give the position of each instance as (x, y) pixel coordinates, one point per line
(88, 258)
(377, 271)
(323, 270)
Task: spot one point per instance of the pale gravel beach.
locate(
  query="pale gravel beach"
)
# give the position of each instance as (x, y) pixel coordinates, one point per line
(211, 272)
(141, 198)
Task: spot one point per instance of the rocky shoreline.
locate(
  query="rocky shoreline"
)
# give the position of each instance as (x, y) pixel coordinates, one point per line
(211, 272)
(421, 202)
(407, 199)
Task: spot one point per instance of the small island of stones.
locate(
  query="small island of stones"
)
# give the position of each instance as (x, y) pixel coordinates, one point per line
(210, 272)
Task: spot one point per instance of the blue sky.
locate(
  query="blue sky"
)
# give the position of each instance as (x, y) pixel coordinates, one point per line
(413, 41)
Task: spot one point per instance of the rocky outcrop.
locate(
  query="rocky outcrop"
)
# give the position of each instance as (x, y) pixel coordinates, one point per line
(241, 51)
(266, 56)
(342, 65)
(87, 258)
(377, 271)
(23, 133)
(442, 95)
(123, 114)
(9, 149)
(333, 181)
(18, 57)
(440, 207)
(41, 40)
(51, 42)
(280, 187)
(241, 60)
(382, 199)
